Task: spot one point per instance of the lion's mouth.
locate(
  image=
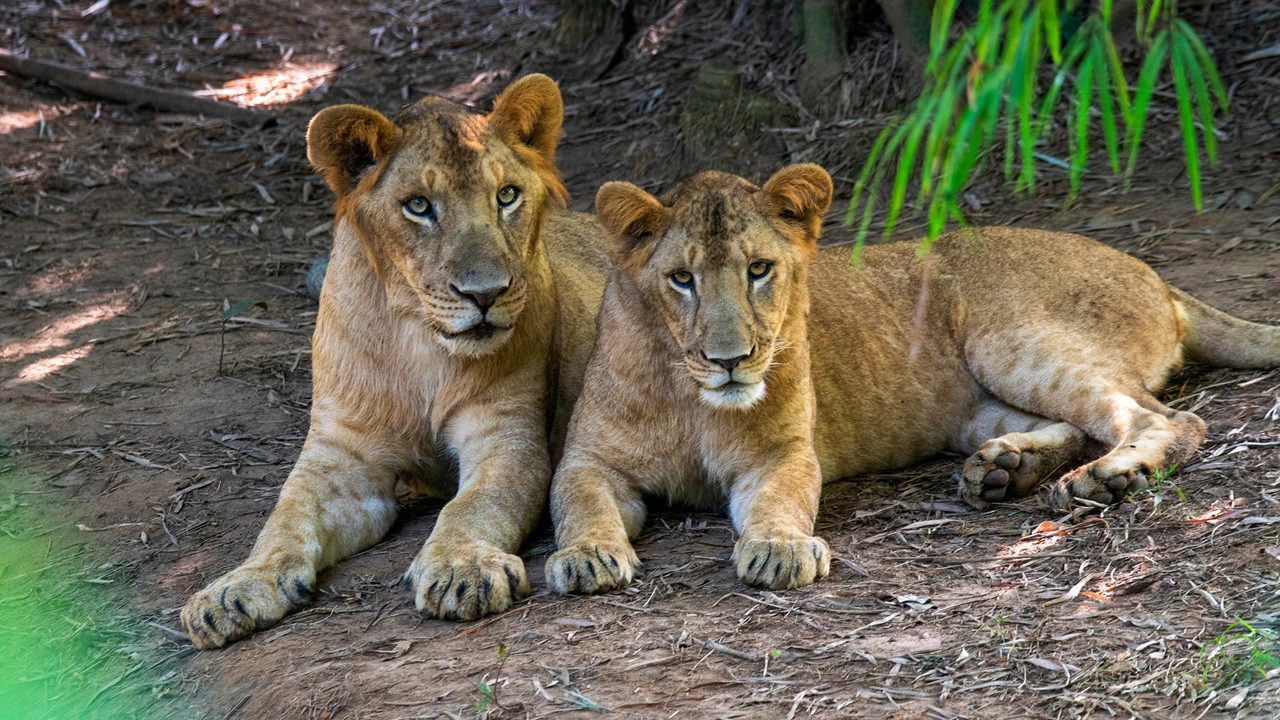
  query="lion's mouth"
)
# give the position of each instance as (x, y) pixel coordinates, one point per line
(480, 331)
(733, 394)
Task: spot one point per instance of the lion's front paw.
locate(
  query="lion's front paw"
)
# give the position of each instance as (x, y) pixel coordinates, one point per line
(251, 597)
(998, 470)
(1103, 481)
(587, 568)
(781, 563)
(465, 581)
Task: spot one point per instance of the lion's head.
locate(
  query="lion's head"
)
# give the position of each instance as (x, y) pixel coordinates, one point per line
(720, 259)
(448, 203)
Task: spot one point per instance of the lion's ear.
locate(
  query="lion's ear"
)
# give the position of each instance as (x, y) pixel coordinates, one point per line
(630, 215)
(529, 112)
(799, 195)
(345, 140)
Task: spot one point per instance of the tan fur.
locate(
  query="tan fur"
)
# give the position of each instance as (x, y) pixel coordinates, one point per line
(408, 380)
(1037, 349)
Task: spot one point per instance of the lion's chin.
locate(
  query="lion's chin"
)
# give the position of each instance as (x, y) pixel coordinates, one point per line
(733, 395)
(476, 341)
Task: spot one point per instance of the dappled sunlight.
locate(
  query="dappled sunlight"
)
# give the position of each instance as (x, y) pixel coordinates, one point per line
(1046, 536)
(43, 368)
(654, 38)
(12, 120)
(56, 336)
(276, 86)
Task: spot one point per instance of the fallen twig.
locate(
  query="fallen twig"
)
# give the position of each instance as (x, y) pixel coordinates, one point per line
(98, 85)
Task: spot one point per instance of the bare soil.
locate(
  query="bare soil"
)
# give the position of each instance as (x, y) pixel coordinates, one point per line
(144, 438)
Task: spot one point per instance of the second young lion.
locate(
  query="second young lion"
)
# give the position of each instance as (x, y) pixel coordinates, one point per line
(736, 363)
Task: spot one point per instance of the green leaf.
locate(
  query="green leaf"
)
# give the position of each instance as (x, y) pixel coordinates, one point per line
(902, 177)
(1142, 97)
(1052, 28)
(943, 12)
(232, 311)
(1187, 122)
(1084, 101)
(1200, 92)
(1206, 64)
(1106, 107)
(1118, 80)
(1044, 117)
(873, 159)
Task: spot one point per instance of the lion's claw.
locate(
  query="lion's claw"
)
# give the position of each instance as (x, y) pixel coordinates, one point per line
(592, 568)
(249, 598)
(782, 563)
(464, 583)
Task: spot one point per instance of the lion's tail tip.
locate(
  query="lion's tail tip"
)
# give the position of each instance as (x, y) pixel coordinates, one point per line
(1216, 338)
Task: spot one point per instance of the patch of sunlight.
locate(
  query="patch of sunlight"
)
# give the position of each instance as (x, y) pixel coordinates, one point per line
(56, 336)
(272, 87)
(11, 120)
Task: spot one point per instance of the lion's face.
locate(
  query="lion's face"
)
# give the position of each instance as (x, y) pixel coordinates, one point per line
(448, 203)
(720, 260)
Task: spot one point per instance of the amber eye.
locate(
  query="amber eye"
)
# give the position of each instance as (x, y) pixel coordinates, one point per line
(682, 279)
(420, 207)
(508, 195)
(759, 269)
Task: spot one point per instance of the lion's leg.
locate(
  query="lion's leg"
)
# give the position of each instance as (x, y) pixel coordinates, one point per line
(468, 566)
(1145, 437)
(337, 501)
(1100, 393)
(773, 509)
(1012, 452)
(596, 510)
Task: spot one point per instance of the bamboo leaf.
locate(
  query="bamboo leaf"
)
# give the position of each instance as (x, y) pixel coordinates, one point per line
(1106, 107)
(1118, 80)
(1048, 12)
(905, 165)
(943, 13)
(873, 159)
(1200, 92)
(1187, 122)
(1142, 97)
(1206, 63)
(1084, 99)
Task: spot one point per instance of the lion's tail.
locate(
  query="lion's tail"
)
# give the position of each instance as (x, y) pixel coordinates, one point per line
(1216, 338)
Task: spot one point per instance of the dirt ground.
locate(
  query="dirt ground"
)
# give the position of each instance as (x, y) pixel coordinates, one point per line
(143, 438)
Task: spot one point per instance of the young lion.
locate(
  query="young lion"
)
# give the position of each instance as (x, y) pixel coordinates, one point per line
(705, 385)
(439, 332)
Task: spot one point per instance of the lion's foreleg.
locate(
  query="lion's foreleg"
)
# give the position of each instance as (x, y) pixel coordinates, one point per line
(468, 568)
(774, 509)
(338, 500)
(596, 510)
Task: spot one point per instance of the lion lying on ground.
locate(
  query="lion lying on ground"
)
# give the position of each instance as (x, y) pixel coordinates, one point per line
(439, 332)
(738, 363)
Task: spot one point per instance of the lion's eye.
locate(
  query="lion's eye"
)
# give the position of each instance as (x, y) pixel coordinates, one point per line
(508, 195)
(682, 279)
(420, 207)
(759, 269)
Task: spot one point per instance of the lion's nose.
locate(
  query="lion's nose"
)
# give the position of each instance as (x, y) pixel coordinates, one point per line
(481, 297)
(727, 363)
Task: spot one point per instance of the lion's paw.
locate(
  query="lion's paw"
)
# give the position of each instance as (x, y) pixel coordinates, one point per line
(587, 568)
(1104, 481)
(464, 582)
(781, 563)
(249, 598)
(998, 470)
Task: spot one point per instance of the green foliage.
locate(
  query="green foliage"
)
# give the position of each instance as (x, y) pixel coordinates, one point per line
(983, 89)
(1241, 653)
(71, 646)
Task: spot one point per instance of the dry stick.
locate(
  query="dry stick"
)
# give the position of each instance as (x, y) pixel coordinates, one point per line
(99, 85)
